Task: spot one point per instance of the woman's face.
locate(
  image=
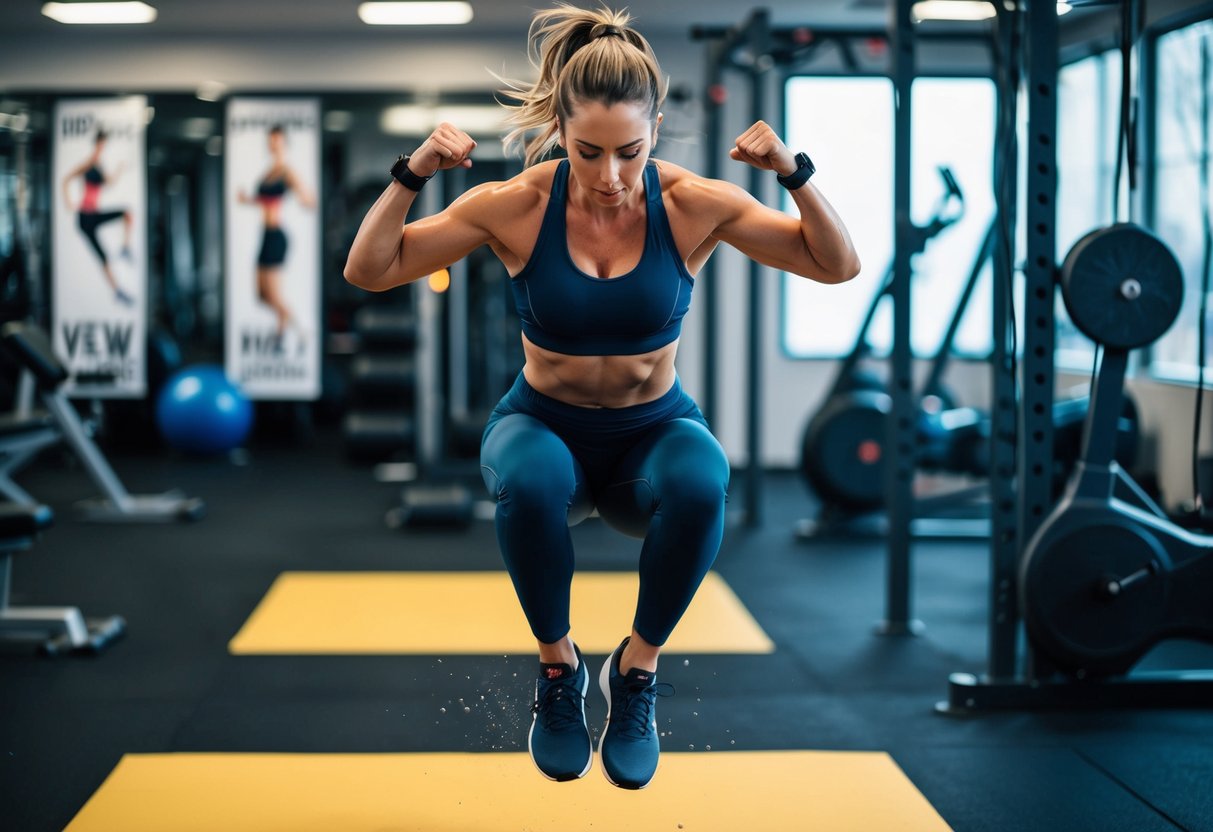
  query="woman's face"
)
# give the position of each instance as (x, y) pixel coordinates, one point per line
(608, 148)
(277, 143)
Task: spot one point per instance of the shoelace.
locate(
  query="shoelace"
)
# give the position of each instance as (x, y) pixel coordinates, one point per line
(634, 717)
(558, 706)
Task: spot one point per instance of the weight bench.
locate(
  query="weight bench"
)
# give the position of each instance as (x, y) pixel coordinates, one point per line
(20, 441)
(31, 349)
(56, 630)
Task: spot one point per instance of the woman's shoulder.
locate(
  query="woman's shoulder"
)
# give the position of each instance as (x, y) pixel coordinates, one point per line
(684, 188)
(516, 195)
(537, 178)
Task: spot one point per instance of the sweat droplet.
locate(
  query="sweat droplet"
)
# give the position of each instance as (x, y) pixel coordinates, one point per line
(707, 748)
(685, 663)
(467, 710)
(691, 747)
(442, 710)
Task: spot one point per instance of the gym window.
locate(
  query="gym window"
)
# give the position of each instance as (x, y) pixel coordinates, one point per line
(852, 146)
(1089, 97)
(1181, 85)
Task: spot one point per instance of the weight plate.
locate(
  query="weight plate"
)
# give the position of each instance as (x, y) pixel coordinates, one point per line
(842, 454)
(1122, 286)
(1069, 612)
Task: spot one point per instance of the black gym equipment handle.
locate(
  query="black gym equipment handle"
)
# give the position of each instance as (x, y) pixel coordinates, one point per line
(1113, 586)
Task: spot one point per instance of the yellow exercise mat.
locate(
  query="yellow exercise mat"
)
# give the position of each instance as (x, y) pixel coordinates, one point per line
(777, 791)
(339, 613)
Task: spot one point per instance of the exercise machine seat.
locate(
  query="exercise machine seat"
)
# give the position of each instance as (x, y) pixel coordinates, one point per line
(11, 426)
(30, 347)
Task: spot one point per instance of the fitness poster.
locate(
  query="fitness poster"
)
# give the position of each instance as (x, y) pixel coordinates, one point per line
(99, 240)
(272, 257)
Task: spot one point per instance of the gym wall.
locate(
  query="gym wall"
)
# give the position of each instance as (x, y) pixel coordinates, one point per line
(129, 63)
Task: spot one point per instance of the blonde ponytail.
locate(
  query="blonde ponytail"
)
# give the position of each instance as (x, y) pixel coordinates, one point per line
(581, 55)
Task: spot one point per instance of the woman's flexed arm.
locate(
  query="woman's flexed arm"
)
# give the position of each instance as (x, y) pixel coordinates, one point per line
(817, 246)
(388, 253)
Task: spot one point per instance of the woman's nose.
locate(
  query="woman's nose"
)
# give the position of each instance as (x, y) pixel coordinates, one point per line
(610, 172)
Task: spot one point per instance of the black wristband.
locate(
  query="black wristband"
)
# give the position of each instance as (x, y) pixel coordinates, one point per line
(410, 180)
(804, 169)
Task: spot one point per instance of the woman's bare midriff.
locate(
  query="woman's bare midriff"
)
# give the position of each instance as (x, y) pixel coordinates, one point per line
(600, 380)
(271, 215)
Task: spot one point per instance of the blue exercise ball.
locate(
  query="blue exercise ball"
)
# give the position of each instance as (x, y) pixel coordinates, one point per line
(199, 411)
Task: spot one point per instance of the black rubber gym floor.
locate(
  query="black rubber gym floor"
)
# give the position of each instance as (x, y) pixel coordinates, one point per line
(171, 686)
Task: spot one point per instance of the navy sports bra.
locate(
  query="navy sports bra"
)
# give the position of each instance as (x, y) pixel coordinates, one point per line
(565, 310)
(271, 188)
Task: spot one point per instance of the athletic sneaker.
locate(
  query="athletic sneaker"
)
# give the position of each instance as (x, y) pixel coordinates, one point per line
(629, 743)
(560, 740)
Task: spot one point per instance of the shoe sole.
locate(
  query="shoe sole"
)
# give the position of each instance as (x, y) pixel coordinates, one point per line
(604, 682)
(589, 763)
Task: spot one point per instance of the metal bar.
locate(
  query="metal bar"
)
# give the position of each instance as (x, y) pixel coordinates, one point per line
(1103, 412)
(760, 46)
(457, 313)
(26, 390)
(944, 354)
(733, 37)
(6, 576)
(899, 444)
(96, 464)
(430, 395)
(1174, 689)
(1003, 629)
(861, 348)
(712, 148)
(1035, 451)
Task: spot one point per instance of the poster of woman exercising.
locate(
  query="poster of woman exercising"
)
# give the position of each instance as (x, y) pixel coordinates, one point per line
(273, 247)
(99, 272)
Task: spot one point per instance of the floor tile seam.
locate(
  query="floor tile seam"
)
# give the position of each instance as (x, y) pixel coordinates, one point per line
(1141, 798)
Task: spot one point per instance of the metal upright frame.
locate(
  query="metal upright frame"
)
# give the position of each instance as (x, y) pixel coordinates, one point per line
(1004, 544)
(1022, 432)
(899, 444)
(755, 37)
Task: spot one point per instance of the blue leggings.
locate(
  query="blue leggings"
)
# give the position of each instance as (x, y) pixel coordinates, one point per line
(653, 471)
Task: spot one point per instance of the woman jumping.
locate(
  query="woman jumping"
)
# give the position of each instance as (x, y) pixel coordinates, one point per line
(602, 247)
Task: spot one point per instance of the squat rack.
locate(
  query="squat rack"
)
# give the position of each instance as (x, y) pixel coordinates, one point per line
(1022, 432)
(753, 48)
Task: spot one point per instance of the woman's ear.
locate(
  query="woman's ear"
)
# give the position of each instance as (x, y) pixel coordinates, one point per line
(559, 133)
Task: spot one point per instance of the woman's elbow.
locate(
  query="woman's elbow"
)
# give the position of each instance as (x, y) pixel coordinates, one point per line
(833, 275)
(852, 270)
(355, 276)
(846, 271)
